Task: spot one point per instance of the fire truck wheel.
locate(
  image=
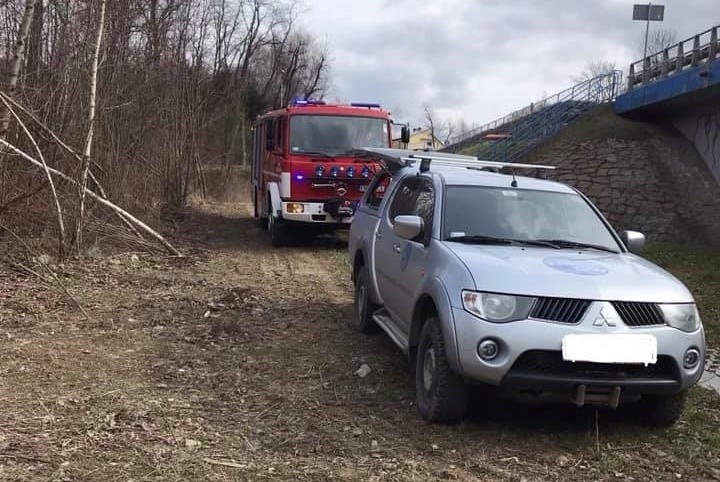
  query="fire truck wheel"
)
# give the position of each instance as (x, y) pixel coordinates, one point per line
(263, 223)
(279, 232)
(362, 319)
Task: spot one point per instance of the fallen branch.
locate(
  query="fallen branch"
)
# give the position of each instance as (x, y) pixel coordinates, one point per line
(58, 208)
(98, 198)
(55, 278)
(70, 151)
(224, 463)
(30, 271)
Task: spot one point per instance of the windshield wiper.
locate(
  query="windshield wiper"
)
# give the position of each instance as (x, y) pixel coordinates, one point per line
(480, 239)
(566, 243)
(316, 153)
(477, 239)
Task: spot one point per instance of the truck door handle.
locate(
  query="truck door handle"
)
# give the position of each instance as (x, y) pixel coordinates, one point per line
(378, 234)
(396, 248)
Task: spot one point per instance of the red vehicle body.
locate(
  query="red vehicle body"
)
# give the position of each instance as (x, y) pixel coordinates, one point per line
(306, 178)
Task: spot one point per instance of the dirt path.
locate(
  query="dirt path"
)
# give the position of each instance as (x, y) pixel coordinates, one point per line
(237, 364)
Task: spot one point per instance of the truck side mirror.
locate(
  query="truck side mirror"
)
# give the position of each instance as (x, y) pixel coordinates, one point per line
(405, 134)
(633, 241)
(407, 227)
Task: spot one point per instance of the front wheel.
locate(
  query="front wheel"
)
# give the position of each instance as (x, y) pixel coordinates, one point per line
(661, 410)
(279, 232)
(442, 395)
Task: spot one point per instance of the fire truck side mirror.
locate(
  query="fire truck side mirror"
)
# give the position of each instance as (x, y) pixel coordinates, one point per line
(405, 134)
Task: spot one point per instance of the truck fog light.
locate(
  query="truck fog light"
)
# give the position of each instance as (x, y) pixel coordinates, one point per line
(295, 208)
(691, 358)
(488, 349)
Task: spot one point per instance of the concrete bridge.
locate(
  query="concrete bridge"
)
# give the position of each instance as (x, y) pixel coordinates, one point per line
(680, 85)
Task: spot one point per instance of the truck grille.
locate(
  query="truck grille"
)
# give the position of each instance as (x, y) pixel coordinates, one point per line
(562, 310)
(639, 314)
(550, 362)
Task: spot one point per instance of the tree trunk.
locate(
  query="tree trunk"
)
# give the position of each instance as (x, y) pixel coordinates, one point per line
(16, 63)
(91, 128)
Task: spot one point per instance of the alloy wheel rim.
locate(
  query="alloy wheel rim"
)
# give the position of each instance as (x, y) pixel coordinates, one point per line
(361, 302)
(428, 368)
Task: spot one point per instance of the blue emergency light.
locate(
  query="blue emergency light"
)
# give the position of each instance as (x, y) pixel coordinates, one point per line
(303, 101)
(369, 105)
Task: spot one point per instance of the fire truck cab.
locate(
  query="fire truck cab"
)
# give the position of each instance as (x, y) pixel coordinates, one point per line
(306, 177)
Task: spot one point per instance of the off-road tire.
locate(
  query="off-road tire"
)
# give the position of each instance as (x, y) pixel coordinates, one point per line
(363, 307)
(661, 410)
(279, 232)
(262, 223)
(446, 400)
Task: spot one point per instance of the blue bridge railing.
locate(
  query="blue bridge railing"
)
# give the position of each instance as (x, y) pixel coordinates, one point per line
(696, 50)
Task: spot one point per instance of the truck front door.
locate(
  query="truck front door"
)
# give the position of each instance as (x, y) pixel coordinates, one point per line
(400, 263)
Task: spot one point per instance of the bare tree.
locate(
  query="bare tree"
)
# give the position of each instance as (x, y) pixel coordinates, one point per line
(595, 68)
(91, 126)
(129, 98)
(658, 40)
(17, 62)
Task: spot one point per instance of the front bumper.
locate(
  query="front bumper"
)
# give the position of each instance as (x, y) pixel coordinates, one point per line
(530, 357)
(314, 212)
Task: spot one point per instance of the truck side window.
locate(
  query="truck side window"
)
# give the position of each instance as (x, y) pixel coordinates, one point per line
(269, 134)
(376, 191)
(280, 134)
(415, 196)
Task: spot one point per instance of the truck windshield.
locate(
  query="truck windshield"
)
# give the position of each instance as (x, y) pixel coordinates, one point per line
(507, 215)
(331, 134)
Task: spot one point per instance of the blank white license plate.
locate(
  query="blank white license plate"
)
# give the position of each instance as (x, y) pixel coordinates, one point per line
(610, 348)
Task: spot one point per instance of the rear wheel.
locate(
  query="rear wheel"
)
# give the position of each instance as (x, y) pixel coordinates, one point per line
(442, 395)
(362, 319)
(661, 410)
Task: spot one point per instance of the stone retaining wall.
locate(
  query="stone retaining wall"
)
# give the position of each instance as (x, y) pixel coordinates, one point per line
(643, 177)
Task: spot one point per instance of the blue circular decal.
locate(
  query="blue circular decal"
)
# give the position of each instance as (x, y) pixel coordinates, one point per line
(576, 266)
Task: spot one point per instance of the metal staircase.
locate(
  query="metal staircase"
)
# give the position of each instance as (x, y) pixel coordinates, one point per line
(514, 135)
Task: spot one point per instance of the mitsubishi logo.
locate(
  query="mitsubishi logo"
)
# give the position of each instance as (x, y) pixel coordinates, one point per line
(603, 318)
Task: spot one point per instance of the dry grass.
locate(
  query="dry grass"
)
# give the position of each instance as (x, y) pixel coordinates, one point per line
(237, 364)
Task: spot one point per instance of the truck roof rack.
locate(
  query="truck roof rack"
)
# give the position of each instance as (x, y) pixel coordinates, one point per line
(400, 158)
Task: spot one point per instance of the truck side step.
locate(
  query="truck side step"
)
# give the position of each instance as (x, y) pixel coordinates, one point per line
(385, 321)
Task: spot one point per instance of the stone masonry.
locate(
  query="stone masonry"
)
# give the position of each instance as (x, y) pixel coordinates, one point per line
(653, 181)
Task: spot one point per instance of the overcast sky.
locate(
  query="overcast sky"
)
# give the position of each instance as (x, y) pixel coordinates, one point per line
(479, 59)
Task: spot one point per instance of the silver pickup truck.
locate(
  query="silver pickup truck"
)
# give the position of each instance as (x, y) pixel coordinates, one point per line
(518, 283)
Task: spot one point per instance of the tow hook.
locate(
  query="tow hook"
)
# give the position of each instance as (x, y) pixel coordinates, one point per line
(339, 208)
(606, 396)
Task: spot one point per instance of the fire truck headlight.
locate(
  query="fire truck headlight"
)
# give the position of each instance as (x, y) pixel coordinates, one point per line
(350, 171)
(335, 171)
(365, 172)
(295, 208)
(319, 171)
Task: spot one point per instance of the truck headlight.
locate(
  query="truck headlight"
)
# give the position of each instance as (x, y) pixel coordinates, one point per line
(495, 307)
(683, 316)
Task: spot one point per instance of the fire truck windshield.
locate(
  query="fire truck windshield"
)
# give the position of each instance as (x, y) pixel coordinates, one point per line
(333, 134)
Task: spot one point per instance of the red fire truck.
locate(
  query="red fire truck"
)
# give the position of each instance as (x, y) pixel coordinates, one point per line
(306, 178)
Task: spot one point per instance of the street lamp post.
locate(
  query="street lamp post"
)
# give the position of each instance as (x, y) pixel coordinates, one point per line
(648, 13)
